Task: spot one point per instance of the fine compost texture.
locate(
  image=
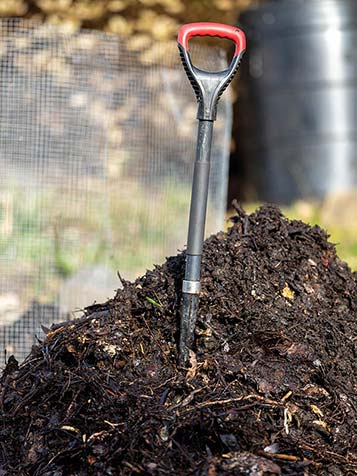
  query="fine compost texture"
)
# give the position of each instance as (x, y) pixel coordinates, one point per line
(270, 385)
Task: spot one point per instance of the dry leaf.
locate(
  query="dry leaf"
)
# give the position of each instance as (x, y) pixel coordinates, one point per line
(288, 293)
(193, 369)
(322, 424)
(316, 410)
(70, 428)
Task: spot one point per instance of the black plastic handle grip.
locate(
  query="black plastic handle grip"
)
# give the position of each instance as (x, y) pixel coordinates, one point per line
(209, 86)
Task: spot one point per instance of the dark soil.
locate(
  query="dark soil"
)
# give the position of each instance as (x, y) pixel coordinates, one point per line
(270, 386)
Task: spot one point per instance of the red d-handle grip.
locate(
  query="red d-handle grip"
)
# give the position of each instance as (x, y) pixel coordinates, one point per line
(212, 29)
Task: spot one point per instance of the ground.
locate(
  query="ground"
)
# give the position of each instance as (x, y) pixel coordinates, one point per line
(269, 389)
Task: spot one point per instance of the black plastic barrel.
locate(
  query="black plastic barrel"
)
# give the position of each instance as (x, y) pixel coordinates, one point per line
(297, 110)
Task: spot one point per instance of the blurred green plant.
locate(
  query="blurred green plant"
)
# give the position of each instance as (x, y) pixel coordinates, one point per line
(54, 233)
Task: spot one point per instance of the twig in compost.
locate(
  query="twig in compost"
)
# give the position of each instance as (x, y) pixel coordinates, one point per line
(66, 452)
(239, 399)
(325, 452)
(135, 469)
(188, 399)
(286, 457)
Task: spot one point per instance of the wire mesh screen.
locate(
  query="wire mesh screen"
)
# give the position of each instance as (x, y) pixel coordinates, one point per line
(96, 154)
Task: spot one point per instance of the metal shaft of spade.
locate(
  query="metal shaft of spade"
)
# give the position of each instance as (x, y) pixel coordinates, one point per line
(208, 87)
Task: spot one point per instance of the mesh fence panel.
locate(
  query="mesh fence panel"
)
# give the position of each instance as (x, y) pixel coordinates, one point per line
(96, 154)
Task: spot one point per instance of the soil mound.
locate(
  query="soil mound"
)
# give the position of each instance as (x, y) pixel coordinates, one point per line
(269, 390)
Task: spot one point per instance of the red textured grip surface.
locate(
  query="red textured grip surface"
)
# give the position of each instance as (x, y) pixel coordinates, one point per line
(212, 29)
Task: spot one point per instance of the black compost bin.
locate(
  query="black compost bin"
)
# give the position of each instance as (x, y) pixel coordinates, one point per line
(298, 99)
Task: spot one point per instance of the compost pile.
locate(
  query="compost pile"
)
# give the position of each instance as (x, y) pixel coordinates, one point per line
(269, 389)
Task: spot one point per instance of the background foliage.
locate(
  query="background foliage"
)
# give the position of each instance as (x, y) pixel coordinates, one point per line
(145, 22)
(152, 19)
